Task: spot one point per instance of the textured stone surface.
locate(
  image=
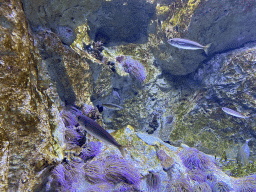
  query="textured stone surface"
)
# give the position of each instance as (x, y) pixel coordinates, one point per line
(62, 18)
(226, 27)
(27, 145)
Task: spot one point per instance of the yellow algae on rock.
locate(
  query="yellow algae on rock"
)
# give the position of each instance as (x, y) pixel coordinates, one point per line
(26, 139)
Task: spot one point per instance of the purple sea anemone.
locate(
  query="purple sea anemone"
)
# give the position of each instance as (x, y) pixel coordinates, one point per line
(87, 109)
(197, 175)
(194, 159)
(210, 177)
(203, 187)
(119, 170)
(69, 118)
(101, 187)
(133, 67)
(220, 186)
(90, 150)
(64, 176)
(180, 185)
(123, 187)
(153, 182)
(94, 171)
(246, 184)
(72, 136)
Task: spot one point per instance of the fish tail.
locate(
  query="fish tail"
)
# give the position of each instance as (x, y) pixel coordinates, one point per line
(206, 47)
(121, 149)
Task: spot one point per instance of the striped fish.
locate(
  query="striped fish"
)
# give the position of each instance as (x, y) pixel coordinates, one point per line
(187, 44)
(94, 129)
(233, 113)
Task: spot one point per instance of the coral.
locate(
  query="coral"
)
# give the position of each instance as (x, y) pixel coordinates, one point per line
(133, 67)
(194, 159)
(220, 186)
(153, 182)
(203, 187)
(180, 185)
(119, 170)
(246, 184)
(90, 150)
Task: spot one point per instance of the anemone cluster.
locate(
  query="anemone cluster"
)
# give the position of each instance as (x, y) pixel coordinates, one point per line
(133, 67)
(83, 169)
(198, 168)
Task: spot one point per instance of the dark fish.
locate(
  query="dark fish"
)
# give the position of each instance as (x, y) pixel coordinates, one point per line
(233, 113)
(97, 131)
(112, 106)
(187, 44)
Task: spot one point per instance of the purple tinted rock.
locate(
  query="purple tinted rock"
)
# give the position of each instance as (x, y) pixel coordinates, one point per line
(66, 34)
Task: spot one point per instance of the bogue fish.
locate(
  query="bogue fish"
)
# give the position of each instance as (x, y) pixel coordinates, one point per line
(244, 153)
(233, 113)
(93, 128)
(112, 106)
(188, 44)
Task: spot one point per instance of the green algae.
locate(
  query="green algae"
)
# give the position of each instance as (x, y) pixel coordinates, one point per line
(238, 170)
(183, 14)
(161, 10)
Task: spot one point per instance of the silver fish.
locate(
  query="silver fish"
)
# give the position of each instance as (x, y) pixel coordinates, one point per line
(97, 131)
(244, 153)
(233, 113)
(116, 94)
(188, 44)
(112, 106)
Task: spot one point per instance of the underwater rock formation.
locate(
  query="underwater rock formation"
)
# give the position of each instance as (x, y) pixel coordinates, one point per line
(111, 26)
(27, 116)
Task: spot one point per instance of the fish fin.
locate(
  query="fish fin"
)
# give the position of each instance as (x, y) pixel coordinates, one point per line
(121, 149)
(206, 47)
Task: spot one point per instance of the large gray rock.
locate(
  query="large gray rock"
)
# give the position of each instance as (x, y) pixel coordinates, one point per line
(226, 24)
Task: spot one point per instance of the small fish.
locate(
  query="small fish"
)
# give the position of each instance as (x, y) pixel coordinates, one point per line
(112, 106)
(116, 94)
(233, 113)
(244, 153)
(188, 44)
(97, 131)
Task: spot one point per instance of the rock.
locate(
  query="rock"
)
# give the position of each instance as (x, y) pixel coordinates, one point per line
(28, 148)
(226, 27)
(62, 18)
